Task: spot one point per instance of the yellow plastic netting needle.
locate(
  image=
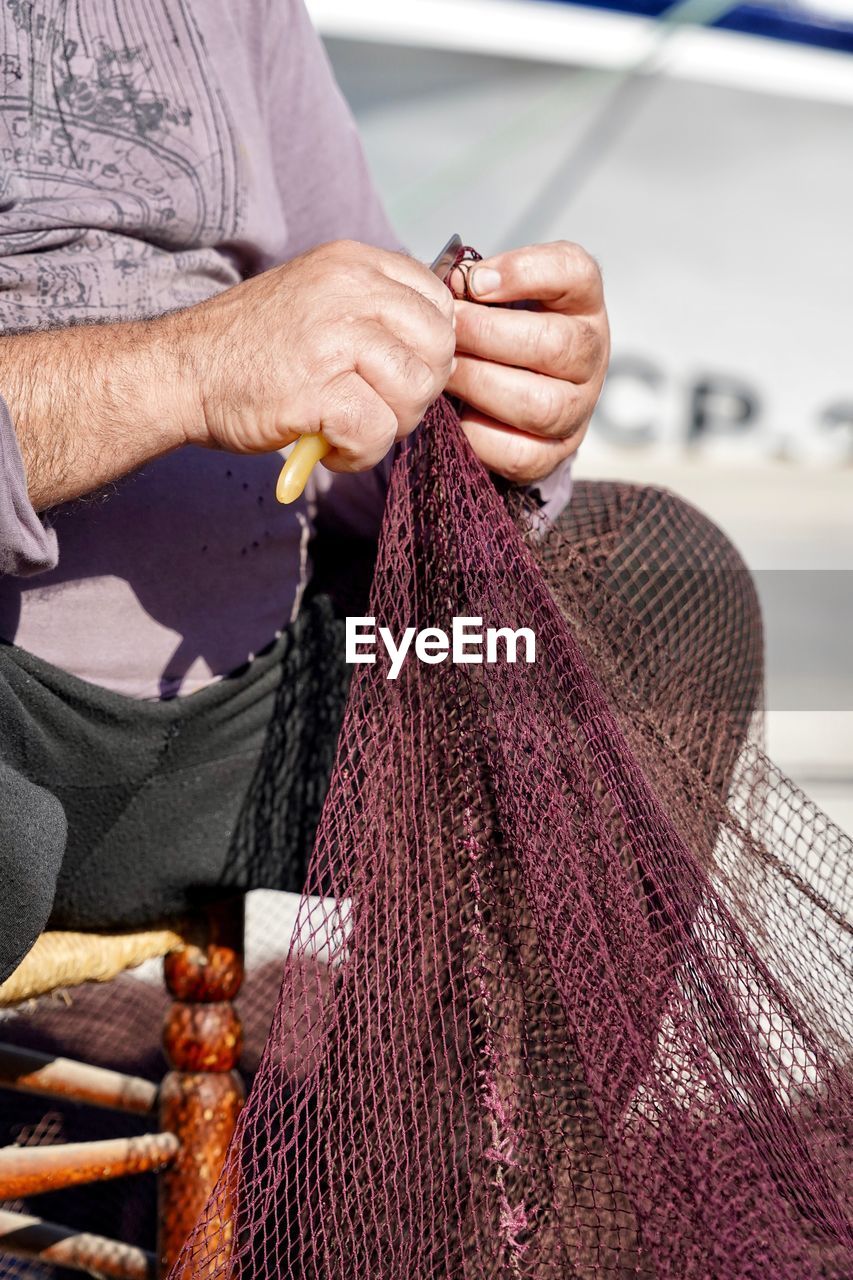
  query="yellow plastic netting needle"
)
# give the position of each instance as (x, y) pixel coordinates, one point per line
(304, 456)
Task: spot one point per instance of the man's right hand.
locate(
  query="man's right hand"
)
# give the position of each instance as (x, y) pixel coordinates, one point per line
(355, 341)
(347, 339)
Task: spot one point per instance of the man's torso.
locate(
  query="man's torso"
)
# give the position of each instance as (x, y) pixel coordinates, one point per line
(153, 154)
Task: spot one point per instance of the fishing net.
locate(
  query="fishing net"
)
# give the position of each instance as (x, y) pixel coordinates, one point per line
(569, 988)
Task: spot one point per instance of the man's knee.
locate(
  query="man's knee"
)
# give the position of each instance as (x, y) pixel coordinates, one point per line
(33, 830)
(683, 580)
(701, 601)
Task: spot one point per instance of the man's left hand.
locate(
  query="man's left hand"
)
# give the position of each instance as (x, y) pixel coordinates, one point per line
(530, 379)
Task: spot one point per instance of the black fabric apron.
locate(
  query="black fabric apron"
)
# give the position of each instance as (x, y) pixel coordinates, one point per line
(116, 812)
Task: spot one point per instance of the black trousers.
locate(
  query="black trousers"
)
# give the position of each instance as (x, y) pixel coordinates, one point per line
(115, 812)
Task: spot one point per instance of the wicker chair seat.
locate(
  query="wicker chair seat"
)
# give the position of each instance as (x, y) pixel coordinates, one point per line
(63, 959)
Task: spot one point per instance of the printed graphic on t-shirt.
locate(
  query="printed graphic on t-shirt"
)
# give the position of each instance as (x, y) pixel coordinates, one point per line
(118, 157)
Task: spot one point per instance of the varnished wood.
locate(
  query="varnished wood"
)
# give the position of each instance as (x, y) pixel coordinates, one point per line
(30, 1171)
(22, 1236)
(209, 967)
(199, 1102)
(30, 1072)
(203, 1108)
(201, 1097)
(203, 1037)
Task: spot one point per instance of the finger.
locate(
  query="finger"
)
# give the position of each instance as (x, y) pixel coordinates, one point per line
(569, 347)
(414, 275)
(400, 376)
(517, 456)
(357, 423)
(529, 401)
(561, 274)
(412, 319)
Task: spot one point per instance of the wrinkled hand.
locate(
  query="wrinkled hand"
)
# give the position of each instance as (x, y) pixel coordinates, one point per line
(346, 338)
(530, 379)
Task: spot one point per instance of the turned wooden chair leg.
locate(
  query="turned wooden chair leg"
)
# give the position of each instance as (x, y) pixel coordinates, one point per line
(201, 1096)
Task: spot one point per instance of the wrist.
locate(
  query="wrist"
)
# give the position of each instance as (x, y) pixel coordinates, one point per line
(178, 364)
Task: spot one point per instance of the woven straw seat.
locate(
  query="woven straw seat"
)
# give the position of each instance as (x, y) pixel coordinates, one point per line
(63, 959)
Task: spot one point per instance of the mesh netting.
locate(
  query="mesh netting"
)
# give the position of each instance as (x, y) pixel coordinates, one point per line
(569, 990)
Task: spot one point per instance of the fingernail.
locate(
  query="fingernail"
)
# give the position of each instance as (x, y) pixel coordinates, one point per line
(454, 365)
(484, 280)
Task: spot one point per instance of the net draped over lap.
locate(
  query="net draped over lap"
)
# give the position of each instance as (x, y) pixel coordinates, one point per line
(569, 993)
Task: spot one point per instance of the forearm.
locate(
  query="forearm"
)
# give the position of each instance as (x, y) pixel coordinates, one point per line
(346, 338)
(93, 402)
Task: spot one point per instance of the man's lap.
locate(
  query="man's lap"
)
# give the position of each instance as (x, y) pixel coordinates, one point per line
(167, 804)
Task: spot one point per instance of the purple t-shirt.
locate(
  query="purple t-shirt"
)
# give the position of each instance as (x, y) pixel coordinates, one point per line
(154, 155)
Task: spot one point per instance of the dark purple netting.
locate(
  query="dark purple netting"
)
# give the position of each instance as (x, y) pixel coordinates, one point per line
(569, 993)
